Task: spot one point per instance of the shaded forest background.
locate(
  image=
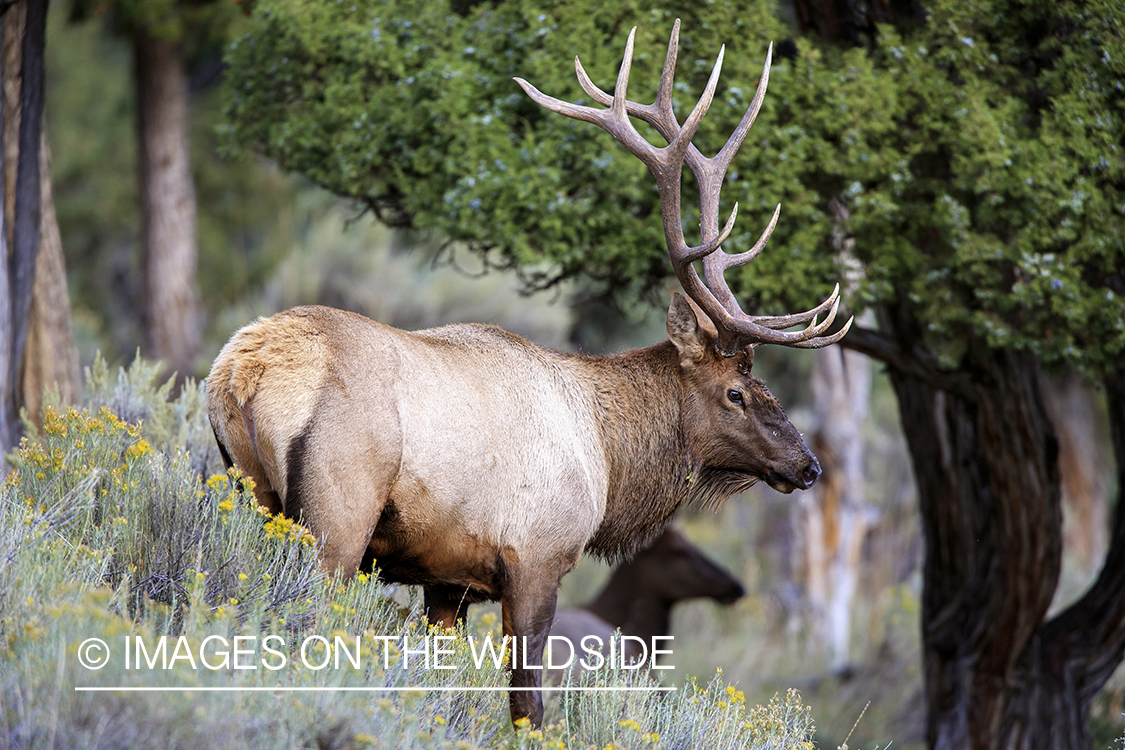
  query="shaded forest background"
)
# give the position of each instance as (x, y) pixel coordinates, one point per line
(268, 240)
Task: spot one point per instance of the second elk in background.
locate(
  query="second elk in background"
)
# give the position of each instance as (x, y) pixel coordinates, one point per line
(639, 596)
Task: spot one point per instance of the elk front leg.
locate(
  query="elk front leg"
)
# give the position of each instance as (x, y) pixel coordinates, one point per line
(445, 605)
(528, 603)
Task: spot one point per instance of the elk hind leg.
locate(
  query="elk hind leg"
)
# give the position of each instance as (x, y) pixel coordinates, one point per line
(337, 487)
(236, 439)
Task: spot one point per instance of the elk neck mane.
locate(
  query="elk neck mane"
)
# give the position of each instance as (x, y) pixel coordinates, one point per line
(652, 468)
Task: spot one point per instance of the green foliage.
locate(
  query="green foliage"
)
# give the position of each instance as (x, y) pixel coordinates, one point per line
(991, 199)
(104, 536)
(412, 109)
(977, 158)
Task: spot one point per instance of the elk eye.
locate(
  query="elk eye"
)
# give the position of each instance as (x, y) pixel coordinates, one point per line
(735, 397)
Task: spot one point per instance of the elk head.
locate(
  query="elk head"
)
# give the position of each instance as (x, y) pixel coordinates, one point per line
(676, 570)
(737, 427)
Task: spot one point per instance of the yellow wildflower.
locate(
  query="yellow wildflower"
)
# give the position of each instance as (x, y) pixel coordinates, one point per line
(217, 483)
(138, 449)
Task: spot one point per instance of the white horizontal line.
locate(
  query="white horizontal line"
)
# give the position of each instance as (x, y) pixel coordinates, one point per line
(280, 689)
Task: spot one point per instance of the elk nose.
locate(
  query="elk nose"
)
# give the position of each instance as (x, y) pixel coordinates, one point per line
(810, 474)
(736, 592)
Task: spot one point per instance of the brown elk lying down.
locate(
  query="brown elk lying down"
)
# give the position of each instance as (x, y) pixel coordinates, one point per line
(480, 466)
(639, 596)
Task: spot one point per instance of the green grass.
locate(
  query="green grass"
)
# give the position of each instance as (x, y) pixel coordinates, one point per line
(117, 523)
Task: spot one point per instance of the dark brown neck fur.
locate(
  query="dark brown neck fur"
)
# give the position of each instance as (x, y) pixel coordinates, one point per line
(639, 402)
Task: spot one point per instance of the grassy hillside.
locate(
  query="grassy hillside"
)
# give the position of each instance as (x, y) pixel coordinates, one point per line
(118, 524)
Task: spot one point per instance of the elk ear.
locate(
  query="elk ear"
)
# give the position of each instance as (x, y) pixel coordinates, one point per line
(690, 330)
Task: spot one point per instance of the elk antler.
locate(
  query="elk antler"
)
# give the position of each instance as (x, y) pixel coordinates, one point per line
(737, 330)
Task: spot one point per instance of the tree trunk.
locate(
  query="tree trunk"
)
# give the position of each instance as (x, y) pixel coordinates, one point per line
(172, 319)
(985, 460)
(836, 521)
(22, 80)
(51, 360)
(1077, 651)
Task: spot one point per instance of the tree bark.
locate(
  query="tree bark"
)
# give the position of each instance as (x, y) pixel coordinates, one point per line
(985, 457)
(25, 27)
(51, 360)
(172, 319)
(1076, 652)
(986, 466)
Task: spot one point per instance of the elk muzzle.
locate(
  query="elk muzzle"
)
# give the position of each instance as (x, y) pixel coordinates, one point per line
(802, 479)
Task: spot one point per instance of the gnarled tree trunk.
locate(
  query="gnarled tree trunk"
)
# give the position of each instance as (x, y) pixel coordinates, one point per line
(998, 674)
(1074, 654)
(985, 462)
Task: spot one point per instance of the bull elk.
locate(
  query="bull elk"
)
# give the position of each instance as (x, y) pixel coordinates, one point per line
(479, 466)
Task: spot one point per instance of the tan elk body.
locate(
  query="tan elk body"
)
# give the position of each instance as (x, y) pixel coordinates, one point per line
(473, 463)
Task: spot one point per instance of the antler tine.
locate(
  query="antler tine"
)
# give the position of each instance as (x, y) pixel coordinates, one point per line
(824, 341)
(691, 124)
(575, 111)
(730, 148)
(726, 261)
(663, 101)
(707, 248)
(620, 91)
(778, 322)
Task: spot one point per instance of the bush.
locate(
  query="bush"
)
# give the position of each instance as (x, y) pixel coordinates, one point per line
(174, 568)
